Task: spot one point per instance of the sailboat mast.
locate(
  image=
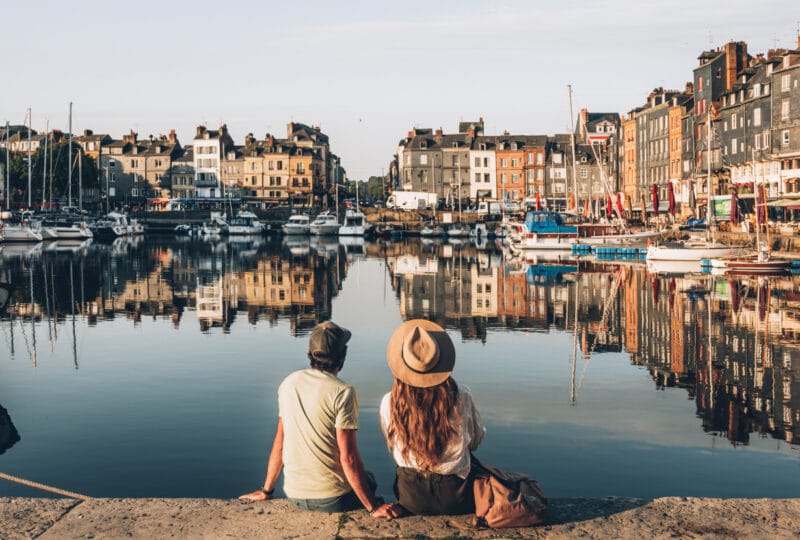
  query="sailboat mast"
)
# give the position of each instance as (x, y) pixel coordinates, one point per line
(6, 193)
(708, 173)
(30, 159)
(80, 180)
(572, 139)
(69, 159)
(44, 167)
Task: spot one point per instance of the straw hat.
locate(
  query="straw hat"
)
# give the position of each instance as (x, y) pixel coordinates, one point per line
(420, 353)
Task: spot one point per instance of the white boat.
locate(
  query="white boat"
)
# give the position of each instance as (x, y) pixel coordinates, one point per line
(354, 224)
(134, 227)
(245, 223)
(113, 225)
(691, 250)
(326, 224)
(673, 267)
(431, 230)
(639, 238)
(297, 224)
(21, 232)
(458, 230)
(755, 263)
(65, 228)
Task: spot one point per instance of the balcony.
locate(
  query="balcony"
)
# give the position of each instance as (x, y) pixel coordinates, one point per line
(206, 183)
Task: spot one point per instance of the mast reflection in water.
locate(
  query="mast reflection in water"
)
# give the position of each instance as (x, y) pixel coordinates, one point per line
(174, 350)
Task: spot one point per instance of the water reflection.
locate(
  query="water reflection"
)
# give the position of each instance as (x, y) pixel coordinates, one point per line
(730, 344)
(8, 433)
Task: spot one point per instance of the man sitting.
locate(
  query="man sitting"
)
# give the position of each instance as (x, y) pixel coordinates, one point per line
(315, 440)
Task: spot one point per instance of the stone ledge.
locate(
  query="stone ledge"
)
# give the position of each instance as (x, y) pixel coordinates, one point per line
(610, 517)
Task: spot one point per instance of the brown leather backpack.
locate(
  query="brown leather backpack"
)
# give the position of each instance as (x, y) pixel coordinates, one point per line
(506, 499)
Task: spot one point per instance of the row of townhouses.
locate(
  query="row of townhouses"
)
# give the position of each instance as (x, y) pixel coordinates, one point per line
(665, 145)
(299, 169)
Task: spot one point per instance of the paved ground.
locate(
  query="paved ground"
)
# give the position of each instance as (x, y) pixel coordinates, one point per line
(613, 517)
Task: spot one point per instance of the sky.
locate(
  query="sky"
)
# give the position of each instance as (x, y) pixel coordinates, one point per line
(366, 72)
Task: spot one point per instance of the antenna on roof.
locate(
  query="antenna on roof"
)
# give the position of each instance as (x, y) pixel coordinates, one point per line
(710, 40)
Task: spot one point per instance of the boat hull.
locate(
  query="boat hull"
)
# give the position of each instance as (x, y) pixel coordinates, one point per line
(689, 253)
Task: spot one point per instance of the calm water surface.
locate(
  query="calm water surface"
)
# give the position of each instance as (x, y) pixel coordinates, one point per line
(149, 368)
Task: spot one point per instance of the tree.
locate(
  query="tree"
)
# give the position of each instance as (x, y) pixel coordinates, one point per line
(56, 175)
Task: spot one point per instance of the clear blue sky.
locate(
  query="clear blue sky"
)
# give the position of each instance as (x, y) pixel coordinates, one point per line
(366, 72)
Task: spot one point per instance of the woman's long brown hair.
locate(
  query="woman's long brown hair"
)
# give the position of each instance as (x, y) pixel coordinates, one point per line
(423, 420)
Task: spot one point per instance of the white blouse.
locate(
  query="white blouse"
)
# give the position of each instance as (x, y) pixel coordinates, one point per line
(456, 458)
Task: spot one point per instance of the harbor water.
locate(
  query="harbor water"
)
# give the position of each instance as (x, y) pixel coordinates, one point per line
(149, 367)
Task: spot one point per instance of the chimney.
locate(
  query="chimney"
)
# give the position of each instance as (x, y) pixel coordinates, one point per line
(172, 137)
(471, 131)
(200, 130)
(411, 134)
(270, 139)
(689, 89)
(87, 133)
(438, 133)
(223, 129)
(248, 139)
(735, 60)
(583, 115)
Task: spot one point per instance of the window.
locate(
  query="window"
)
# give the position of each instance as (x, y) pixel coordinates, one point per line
(785, 109)
(758, 141)
(539, 174)
(408, 159)
(557, 158)
(558, 188)
(477, 162)
(423, 159)
(530, 159)
(700, 84)
(733, 121)
(584, 172)
(539, 159)
(503, 178)
(529, 175)
(134, 163)
(477, 177)
(757, 117)
(756, 90)
(514, 162)
(514, 178)
(786, 82)
(785, 137)
(766, 140)
(503, 162)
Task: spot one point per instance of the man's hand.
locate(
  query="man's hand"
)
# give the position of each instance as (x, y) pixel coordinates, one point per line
(258, 495)
(388, 511)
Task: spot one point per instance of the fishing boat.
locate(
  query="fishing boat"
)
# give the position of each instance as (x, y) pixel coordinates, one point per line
(64, 227)
(297, 224)
(542, 229)
(325, 224)
(458, 230)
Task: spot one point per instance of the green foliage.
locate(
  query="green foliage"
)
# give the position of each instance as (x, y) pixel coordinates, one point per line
(55, 178)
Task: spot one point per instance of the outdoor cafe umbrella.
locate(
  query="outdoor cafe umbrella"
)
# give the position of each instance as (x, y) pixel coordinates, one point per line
(619, 204)
(609, 207)
(671, 198)
(654, 192)
(586, 207)
(538, 201)
(571, 204)
(692, 200)
(734, 205)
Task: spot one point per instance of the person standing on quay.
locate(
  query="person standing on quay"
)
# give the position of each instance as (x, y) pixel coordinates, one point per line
(315, 440)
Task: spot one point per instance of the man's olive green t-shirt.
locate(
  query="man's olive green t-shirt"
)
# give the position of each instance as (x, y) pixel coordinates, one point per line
(312, 404)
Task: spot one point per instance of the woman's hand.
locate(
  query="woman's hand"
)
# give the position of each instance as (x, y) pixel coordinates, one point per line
(258, 495)
(388, 511)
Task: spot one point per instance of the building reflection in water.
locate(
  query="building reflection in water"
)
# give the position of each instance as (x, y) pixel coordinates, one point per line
(731, 344)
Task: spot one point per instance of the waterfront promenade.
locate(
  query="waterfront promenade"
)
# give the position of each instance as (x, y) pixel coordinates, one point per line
(610, 517)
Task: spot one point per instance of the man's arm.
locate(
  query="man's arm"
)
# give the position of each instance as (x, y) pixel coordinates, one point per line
(354, 471)
(274, 468)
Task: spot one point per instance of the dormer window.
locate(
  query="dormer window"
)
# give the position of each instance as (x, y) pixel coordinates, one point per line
(482, 146)
(455, 145)
(423, 144)
(513, 146)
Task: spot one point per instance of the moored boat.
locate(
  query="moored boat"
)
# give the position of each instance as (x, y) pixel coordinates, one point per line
(325, 224)
(297, 224)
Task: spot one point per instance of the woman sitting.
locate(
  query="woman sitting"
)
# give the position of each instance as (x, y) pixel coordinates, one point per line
(430, 422)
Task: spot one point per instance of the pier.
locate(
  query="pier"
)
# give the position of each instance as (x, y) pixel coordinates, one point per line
(608, 517)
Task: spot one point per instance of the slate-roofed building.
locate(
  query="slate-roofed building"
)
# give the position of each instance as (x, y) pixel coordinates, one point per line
(785, 84)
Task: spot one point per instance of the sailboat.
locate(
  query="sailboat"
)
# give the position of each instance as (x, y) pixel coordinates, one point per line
(695, 250)
(25, 229)
(759, 261)
(458, 230)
